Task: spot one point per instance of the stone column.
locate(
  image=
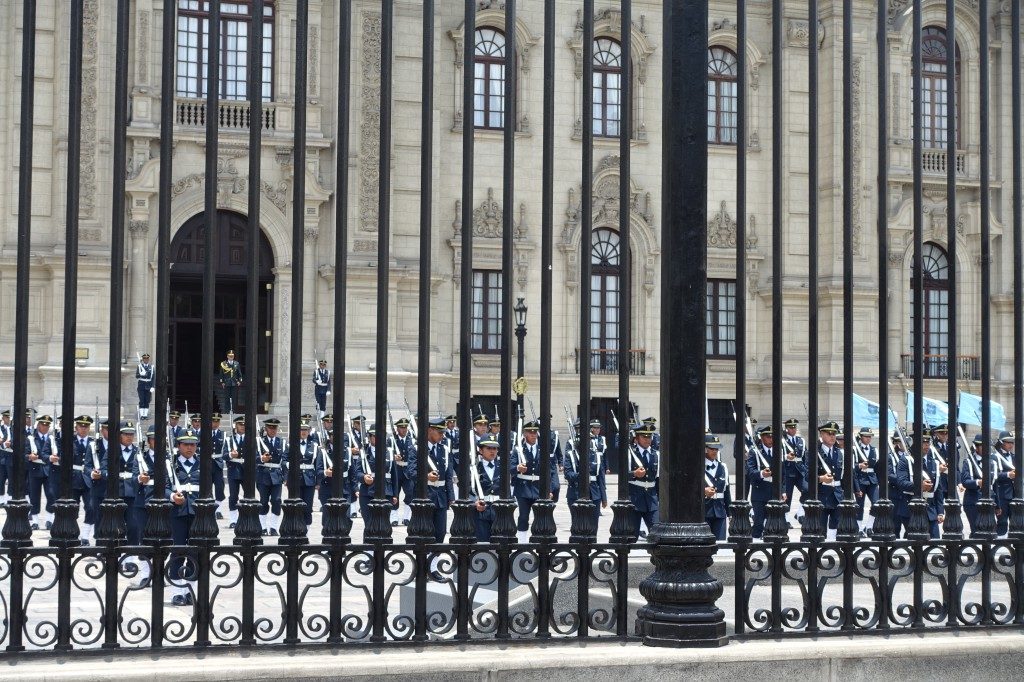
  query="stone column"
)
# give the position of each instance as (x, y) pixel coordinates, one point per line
(139, 338)
(309, 315)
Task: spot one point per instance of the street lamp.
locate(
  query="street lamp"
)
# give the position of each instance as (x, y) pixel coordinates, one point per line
(520, 311)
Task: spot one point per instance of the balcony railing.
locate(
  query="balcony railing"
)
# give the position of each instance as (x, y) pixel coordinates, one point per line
(606, 361)
(231, 115)
(938, 366)
(934, 162)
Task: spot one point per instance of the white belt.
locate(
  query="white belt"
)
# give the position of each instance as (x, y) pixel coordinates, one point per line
(642, 484)
(437, 484)
(78, 467)
(189, 488)
(149, 482)
(236, 461)
(271, 466)
(490, 498)
(528, 477)
(306, 467)
(402, 464)
(769, 479)
(928, 496)
(718, 496)
(834, 483)
(125, 475)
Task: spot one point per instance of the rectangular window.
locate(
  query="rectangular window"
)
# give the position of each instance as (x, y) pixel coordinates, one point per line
(721, 318)
(486, 330)
(193, 49)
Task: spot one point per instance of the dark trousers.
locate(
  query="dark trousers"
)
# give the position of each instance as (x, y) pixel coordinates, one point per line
(35, 494)
(831, 517)
(180, 569)
(648, 517)
(140, 515)
(870, 493)
(229, 399)
(440, 524)
(525, 504)
(131, 522)
(234, 488)
(84, 497)
(972, 517)
(217, 473)
(759, 513)
(1002, 523)
(718, 527)
(320, 394)
(306, 492)
(364, 506)
(933, 529)
(5, 476)
(270, 497)
(144, 396)
(898, 525)
(484, 520)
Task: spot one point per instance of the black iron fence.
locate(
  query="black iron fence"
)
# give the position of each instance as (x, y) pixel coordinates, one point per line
(167, 548)
(966, 367)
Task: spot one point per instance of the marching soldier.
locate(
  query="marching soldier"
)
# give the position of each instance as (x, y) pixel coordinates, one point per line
(101, 448)
(524, 464)
(364, 466)
(127, 486)
(405, 480)
(270, 477)
(216, 457)
(359, 441)
(6, 444)
(486, 488)
(174, 430)
(145, 463)
(931, 484)
(230, 380)
(971, 481)
(598, 492)
(598, 442)
(830, 474)
(321, 387)
(716, 488)
(900, 508)
(312, 469)
(332, 464)
(643, 483)
(183, 492)
(451, 432)
(145, 373)
(85, 470)
(1003, 475)
(440, 476)
(865, 459)
(41, 449)
(236, 468)
(760, 475)
(794, 466)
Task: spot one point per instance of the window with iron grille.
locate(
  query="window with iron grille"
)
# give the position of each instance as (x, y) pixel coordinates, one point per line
(722, 95)
(489, 79)
(935, 96)
(607, 87)
(936, 309)
(193, 48)
(486, 331)
(721, 318)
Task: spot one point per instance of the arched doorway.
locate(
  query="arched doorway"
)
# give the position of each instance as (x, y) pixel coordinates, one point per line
(186, 314)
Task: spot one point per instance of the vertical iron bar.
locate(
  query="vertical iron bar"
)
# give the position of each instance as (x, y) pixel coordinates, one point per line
(337, 523)
(64, 534)
(1017, 506)
(16, 532)
(157, 533)
(681, 593)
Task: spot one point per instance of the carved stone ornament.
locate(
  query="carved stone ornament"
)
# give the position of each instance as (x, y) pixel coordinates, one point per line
(487, 219)
(722, 229)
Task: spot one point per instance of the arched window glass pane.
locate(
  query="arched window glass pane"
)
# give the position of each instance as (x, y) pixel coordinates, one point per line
(935, 264)
(489, 79)
(605, 281)
(722, 95)
(605, 250)
(935, 109)
(607, 87)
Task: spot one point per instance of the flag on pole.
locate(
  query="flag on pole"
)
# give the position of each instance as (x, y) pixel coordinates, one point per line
(866, 413)
(969, 411)
(935, 411)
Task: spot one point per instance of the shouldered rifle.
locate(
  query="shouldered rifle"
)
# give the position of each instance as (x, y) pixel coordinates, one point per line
(261, 445)
(573, 452)
(628, 443)
(412, 420)
(176, 484)
(328, 463)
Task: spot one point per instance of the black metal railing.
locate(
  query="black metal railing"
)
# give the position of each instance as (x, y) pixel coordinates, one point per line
(966, 367)
(607, 361)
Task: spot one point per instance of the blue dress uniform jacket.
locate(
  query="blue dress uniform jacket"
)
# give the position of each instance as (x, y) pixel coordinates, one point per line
(490, 486)
(144, 491)
(865, 477)
(442, 491)
(236, 465)
(311, 466)
(40, 468)
(970, 474)
(1002, 485)
(361, 469)
(831, 461)
(271, 472)
(717, 474)
(82, 464)
(188, 484)
(642, 493)
(758, 459)
(128, 483)
(598, 492)
(526, 486)
(794, 472)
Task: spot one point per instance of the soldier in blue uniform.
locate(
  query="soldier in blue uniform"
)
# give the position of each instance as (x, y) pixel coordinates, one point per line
(364, 466)
(1003, 474)
(865, 463)
(451, 432)
(900, 506)
(524, 464)
(758, 467)
(830, 476)
(321, 386)
(236, 467)
(230, 380)
(486, 488)
(405, 480)
(270, 477)
(970, 481)
(311, 466)
(145, 373)
(84, 467)
(41, 448)
(6, 445)
(643, 479)
(598, 492)
(652, 424)
(183, 492)
(216, 458)
(440, 476)
(127, 485)
(794, 467)
(932, 488)
(144, 465)
(717, 497)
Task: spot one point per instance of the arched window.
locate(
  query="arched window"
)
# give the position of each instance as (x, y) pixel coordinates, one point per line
(607, 87)
(935, 264)
(935, 112)
(193, 52)
(722, 95)
(489, 79)
(605, 275)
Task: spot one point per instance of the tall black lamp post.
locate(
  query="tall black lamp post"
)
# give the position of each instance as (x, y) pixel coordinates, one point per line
(520, 384)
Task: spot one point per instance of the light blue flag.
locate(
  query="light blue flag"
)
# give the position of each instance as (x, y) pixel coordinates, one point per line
(969, 411)
(866, 413)
(935, 411)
